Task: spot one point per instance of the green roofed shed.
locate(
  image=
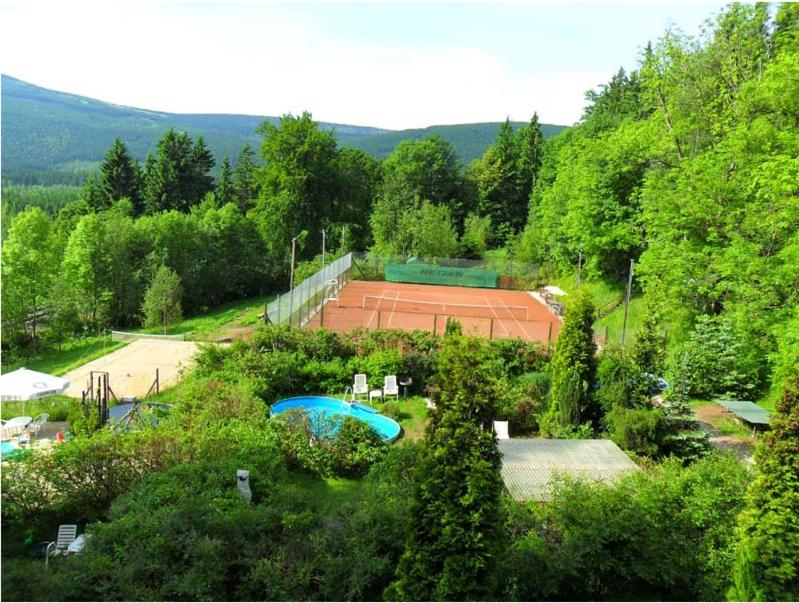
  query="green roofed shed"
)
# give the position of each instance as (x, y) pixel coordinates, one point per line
(747, 411)
(530, 464)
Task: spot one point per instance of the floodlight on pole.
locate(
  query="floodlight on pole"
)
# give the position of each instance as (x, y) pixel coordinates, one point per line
(627, 301)
(291, 277)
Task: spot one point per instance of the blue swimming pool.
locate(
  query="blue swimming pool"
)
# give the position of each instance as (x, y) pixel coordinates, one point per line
(8, 448)
(321, 407)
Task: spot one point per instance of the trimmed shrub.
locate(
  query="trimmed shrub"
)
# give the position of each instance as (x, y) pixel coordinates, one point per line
(637, 430)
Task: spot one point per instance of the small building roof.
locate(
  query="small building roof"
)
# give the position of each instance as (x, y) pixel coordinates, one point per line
(748, 411)
(530, 464)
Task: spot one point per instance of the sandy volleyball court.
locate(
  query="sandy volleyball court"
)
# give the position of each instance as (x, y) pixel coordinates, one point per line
(132, 369)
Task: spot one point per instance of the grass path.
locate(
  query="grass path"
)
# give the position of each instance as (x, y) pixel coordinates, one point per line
(228, 321)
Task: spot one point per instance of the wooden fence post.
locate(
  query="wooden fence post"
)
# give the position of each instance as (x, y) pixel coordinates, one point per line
(491, 329)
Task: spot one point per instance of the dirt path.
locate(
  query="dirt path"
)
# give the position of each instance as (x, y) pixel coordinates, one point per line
(742, 447)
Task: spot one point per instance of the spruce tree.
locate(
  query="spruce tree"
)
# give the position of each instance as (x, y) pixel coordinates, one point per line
(498, 184)
(166, 175)
(531, 154)
(93, 195)
(767, 568)
(200, 164)
(649, 348)
(245, 179)
(576, 351)
(455, 523)
(120, 176)
(225, 192)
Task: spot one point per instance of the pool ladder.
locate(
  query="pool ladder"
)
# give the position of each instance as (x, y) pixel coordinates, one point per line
(352, 399)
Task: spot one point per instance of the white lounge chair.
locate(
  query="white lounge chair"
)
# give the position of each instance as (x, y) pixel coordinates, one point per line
(360, 388)
(390, 387)
(501, 429)
(66, 536)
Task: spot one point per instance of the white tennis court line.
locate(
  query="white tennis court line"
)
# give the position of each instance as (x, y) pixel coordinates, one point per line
(394, 307)
(374, 312)
(494, 312)
(518, 324)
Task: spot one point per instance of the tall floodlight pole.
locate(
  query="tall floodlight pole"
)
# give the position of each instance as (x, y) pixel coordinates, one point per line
(291, 278)
(323, 248)
(579, 267)
(627, 301)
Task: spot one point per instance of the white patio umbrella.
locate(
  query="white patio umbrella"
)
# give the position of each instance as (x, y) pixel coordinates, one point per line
(25, 384)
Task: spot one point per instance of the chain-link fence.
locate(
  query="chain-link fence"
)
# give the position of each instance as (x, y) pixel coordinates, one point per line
(297, 306)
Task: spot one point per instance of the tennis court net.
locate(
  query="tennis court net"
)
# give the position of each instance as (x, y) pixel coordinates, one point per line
(125, 336)
(413, 306)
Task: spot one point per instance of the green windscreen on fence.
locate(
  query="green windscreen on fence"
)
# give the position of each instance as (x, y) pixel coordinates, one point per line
(430, 274)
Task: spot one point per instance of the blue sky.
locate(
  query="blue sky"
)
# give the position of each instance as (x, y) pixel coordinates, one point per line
(397, 65)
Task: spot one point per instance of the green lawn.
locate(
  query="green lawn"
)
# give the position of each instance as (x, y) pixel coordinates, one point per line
(614, 322)
(67, 356)
(56, 406)
(412, 419)
(326, 494)
(216, 323)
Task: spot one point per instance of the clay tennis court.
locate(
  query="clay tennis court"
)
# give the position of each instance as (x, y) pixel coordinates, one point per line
(131, 369)
(490, 313)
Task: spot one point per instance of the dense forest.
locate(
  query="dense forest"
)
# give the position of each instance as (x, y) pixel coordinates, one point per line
(682, 175)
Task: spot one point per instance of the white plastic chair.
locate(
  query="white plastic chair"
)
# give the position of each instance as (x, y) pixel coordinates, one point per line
(36, 425)
(66, 536)
(390, 387)
(360, 387)
(501, 429)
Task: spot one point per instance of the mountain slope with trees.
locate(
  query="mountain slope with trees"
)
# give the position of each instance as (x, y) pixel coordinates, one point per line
(52, 137)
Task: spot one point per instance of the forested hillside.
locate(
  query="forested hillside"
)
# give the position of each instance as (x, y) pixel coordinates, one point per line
(690, 166)
(469, 141)
(54, 137)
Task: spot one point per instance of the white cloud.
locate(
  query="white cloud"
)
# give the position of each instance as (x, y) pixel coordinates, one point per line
(257, 61)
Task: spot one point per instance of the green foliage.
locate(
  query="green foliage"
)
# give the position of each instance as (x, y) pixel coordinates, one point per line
(161, 306)
(622, 382)
(574, 366)
(767, 566)
(649, 347)
(28, 270)
(715, 361)
(178, 176)
(87, 266)
(120, 178)
(683, 435)
(664, 535)
(524, 403)
(637, 430)
(328, 446)
(192, 535)
(476, 236)
(417, 209)
(451, 548)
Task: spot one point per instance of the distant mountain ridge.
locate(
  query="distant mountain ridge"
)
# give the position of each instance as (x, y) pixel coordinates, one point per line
(58, 137)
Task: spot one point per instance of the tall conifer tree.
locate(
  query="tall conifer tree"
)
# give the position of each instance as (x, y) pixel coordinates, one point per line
(120, 176)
